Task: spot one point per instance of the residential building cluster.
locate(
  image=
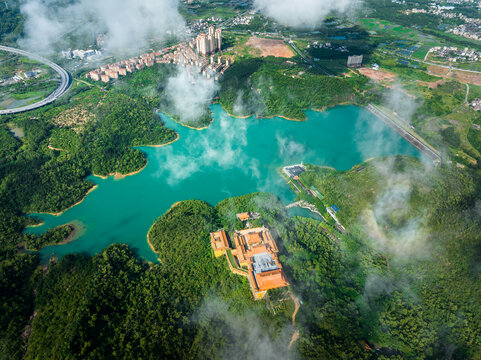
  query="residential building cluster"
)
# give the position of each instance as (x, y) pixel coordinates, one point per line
(209, 43)
(437, 11)
(459, 2)
(242, 20)
(203, 24)
(328, 45)
(470, 29)
(253, 255)
(453, 54)
(184, 54)
(108, 72)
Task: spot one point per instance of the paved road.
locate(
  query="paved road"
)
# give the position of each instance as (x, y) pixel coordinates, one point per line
(65, 82)
(301, 53)
(448, 67)
(410, 136)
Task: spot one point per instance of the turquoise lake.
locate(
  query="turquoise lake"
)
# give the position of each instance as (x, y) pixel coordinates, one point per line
(231, 157)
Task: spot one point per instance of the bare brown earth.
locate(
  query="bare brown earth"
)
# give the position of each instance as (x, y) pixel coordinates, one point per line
(377, 75)
(295, 334)
(270, 47)
(433, 84)
(461, 76)
(75, 118)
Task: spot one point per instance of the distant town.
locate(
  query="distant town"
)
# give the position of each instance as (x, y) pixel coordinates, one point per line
(454, 54)
(194, 53)
(471, 28)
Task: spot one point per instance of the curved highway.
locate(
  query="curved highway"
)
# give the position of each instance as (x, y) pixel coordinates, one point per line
(59, 91)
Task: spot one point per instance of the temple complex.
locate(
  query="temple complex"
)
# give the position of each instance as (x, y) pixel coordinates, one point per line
(254, 256)
(218, 241)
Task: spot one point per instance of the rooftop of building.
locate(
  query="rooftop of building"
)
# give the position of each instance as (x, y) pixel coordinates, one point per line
(270, 280)
(243, 216)
(256, 249)
(263, 262)
(294, 170)
(219, 240)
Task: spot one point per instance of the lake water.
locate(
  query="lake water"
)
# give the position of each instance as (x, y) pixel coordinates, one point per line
(231, 157)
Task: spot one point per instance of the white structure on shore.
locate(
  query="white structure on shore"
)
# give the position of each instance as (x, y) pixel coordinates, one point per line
(293, 171)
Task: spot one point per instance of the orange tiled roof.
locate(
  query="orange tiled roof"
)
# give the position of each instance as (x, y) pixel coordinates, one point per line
(271, 280)
(253, 238)
(219, 240)
(243, 216)
(258, 249)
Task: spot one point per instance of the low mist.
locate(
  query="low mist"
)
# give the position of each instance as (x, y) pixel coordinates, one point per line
(226, 150)
(244, 334)
(128, 24)
(190, 93)
(401, 103)
(304, 14)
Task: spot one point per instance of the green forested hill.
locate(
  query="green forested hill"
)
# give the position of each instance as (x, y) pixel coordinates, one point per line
(114, 305)
(91, 132)
(364, 296)
(275, 87)
(11, 25)
(422, 225)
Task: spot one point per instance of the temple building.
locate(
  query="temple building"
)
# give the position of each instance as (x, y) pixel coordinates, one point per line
(243, 216)
(219, 243)
(247, 216)
(255, 256)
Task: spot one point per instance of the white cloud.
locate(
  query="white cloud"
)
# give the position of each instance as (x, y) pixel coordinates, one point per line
(301, 13)
(225, 150)
(190, 93)
(128, 24)
(289, 149)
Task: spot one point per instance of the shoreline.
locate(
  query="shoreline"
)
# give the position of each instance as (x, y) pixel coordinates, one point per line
(280, 116)
(323, 109)
(35, 225)
(150, 244)
(259, 117)
(71, 206)
(193, 128)
(185, 125)
(236, 116)
(69, 238)
(148, 232)
(118, 176)
(165, 144)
